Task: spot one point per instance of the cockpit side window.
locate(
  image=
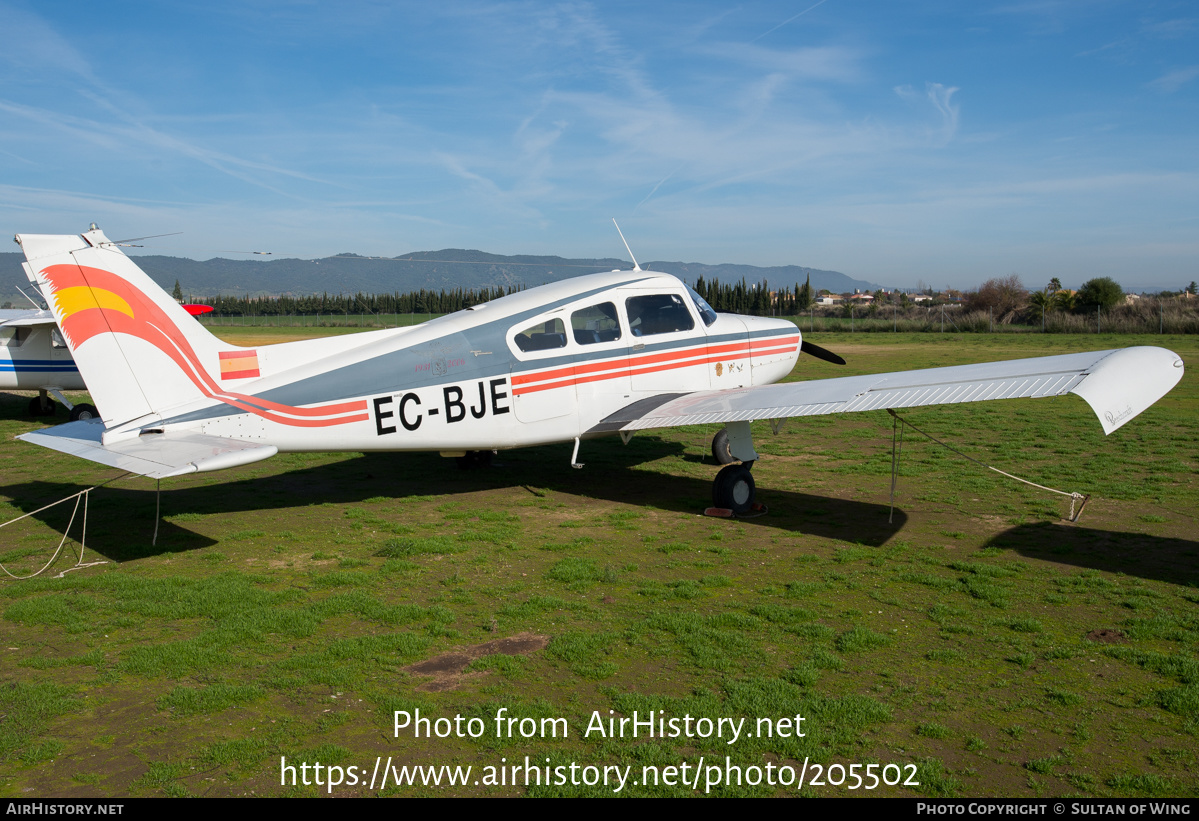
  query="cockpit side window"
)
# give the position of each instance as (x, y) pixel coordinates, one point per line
(595, 324)
(543, 336)
(56, 340)
(658, 314)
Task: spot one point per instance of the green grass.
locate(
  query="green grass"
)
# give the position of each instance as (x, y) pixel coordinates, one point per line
(286, 604)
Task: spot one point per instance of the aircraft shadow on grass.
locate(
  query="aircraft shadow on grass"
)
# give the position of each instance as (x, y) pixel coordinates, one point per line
(121, 516)
(1140, 555)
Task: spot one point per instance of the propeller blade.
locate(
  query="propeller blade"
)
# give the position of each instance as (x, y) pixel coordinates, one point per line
(820, 353)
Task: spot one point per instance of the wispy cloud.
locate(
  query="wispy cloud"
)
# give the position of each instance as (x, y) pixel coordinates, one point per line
(1171, 29)
(35, 46)
(837, 63)
(941, 98)
(121, 137)
(1171, 81)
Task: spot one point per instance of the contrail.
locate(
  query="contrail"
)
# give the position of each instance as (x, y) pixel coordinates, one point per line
(788, 20)
(656, 187)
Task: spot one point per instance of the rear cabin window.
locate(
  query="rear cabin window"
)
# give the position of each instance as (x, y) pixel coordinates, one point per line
(595, 323)
(658, 314)
(543, 336)
(12, 337)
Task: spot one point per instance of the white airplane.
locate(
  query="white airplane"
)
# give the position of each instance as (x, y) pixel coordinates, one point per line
(34, 357)
(593, 356)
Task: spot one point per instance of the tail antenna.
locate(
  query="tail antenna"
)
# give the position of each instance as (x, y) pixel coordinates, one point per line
(636, 267)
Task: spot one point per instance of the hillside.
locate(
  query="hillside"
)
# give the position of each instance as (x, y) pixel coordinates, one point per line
(448, 269)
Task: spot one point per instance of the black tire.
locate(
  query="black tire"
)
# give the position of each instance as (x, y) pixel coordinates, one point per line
(84, 411)
(38, 407)
(733, 489)
(721, 451)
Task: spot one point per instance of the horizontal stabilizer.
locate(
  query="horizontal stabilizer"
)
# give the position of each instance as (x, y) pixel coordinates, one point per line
(157, 455)
(31, 319)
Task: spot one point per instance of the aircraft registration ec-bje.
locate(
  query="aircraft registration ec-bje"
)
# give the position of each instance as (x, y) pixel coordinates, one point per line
(596, 355)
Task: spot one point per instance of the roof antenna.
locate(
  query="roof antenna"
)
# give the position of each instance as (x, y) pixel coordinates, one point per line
(636, 267)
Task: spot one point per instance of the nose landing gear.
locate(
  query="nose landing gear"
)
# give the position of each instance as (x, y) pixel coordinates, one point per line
(733, 488)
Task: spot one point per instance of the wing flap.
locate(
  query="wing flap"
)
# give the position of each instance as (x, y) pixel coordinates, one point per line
(156, 455)
(1117, 384)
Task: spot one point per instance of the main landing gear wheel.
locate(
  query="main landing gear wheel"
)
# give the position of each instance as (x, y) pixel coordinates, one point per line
(733, 489)
(41, 406)
(84, 411)
(721, 450)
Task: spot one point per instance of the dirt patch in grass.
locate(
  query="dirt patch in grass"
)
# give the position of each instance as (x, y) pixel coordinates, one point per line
(447, 669)
(1106, 636)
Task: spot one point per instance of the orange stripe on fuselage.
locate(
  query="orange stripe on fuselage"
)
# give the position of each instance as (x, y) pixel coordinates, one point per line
(652, 363)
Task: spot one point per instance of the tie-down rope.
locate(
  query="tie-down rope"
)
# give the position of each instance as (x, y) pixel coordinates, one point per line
(897, 445)
(80, 496)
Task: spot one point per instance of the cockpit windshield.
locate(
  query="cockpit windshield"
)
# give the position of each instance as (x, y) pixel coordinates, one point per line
(705, 310)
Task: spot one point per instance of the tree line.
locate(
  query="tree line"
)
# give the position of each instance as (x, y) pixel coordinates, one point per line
(423, 301)
(1000, 301)
(756, 299)
(740, 298)
(1009, 301)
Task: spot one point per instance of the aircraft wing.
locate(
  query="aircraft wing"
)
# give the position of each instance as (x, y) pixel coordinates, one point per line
(157, 455)
(1117, 384)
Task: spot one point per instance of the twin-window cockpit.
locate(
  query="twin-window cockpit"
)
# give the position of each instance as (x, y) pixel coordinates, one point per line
(645, 314)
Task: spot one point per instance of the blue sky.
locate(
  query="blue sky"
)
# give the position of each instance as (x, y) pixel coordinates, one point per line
(942, 142)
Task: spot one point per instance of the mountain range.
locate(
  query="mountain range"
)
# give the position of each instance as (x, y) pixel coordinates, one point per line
(434, 270)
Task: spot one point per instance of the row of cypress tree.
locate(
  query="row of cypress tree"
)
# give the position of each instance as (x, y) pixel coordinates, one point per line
(740, 297)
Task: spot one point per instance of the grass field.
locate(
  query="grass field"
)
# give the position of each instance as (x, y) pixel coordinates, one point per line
(978, 642)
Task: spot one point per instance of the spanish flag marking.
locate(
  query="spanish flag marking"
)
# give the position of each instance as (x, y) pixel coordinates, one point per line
(239, 364)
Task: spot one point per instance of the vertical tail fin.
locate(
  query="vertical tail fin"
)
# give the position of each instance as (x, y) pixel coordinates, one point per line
(137, 349)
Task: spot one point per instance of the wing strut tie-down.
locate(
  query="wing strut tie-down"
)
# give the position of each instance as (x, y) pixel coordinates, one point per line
(80, 496)
(897, 444)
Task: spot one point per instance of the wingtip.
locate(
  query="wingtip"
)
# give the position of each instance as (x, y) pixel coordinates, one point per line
(1127, 382)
